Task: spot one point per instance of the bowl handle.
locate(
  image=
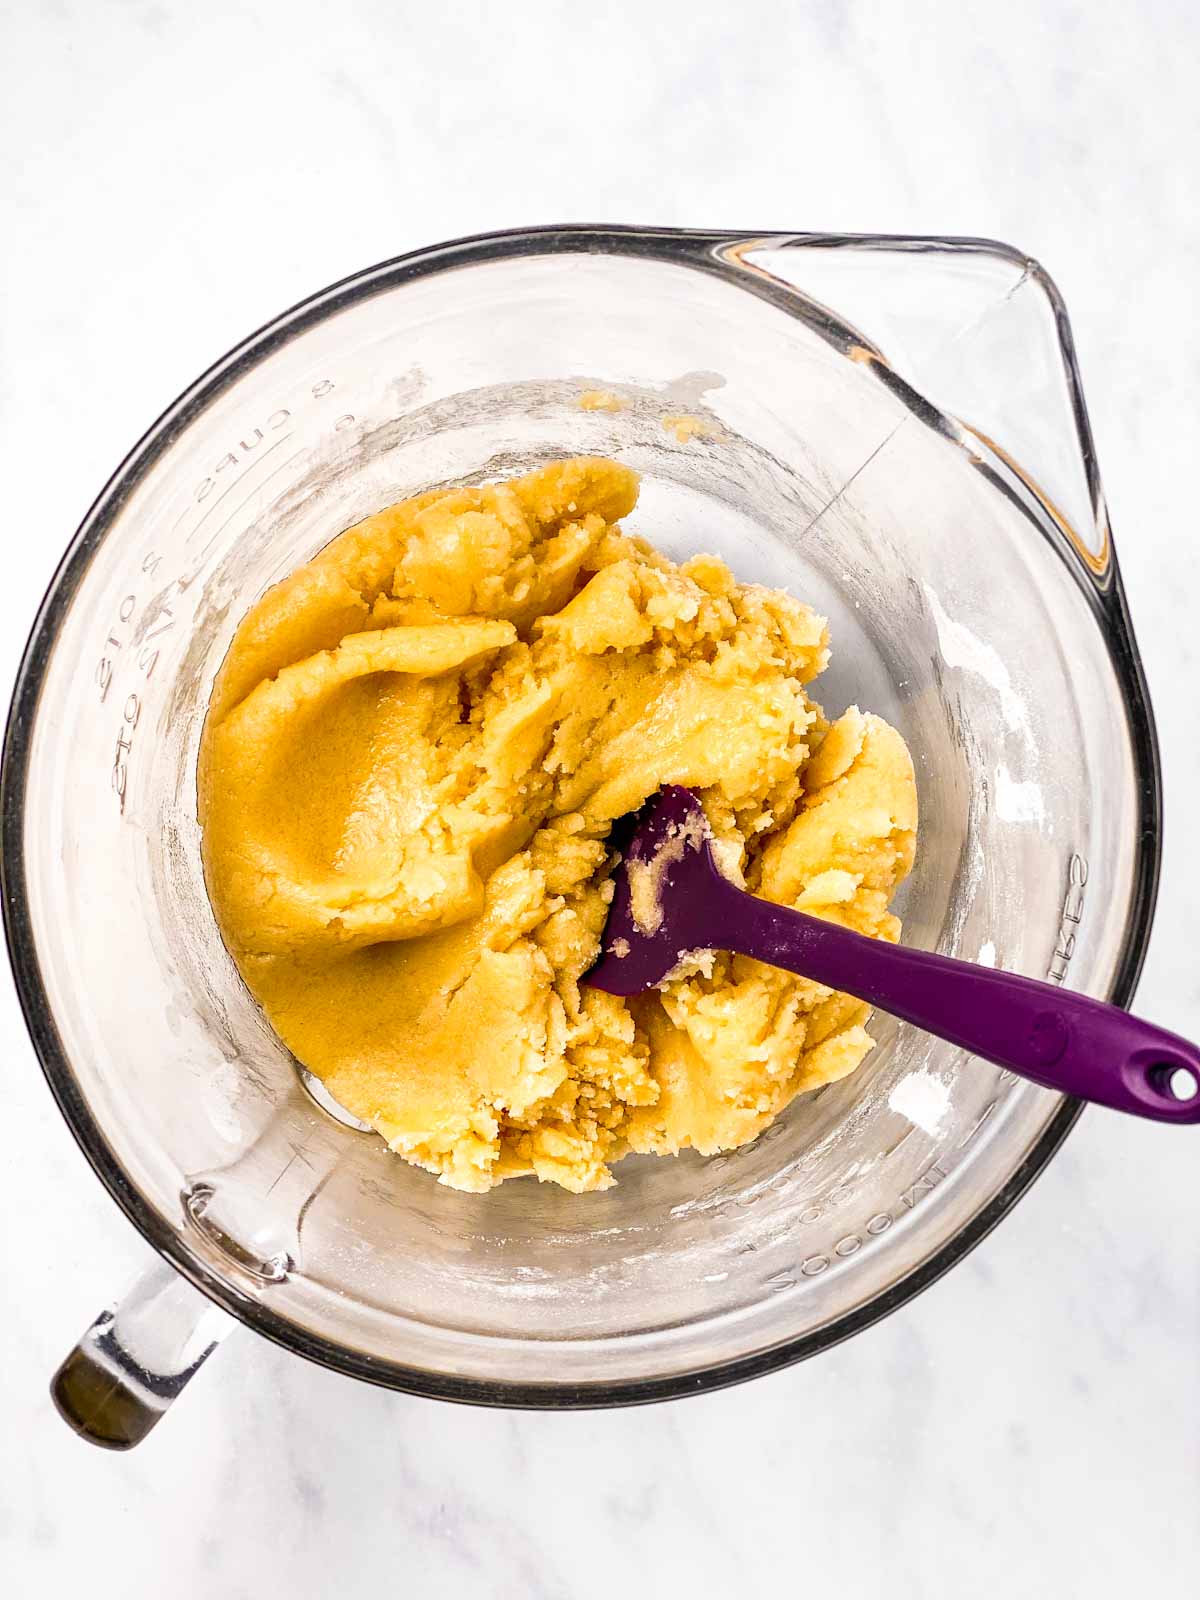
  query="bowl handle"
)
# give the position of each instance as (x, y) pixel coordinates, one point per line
(136, 1358)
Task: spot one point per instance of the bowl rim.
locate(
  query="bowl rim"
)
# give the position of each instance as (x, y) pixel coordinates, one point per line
(701, 250)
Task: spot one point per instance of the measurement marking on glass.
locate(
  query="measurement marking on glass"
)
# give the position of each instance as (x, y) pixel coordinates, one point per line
(1071, 917)
(257, 488)
(118, 639)
(277, 419)
(929, 1179)
(232, 484)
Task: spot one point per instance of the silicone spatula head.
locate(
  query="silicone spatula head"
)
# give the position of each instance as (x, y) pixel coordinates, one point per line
(670, 900)
(665, 887)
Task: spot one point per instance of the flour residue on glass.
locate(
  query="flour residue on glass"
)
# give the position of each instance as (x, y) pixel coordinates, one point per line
(923, 1098)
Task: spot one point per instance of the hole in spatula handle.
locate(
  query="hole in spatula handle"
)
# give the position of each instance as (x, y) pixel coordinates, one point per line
(1177, 1083)
(1172, 1081)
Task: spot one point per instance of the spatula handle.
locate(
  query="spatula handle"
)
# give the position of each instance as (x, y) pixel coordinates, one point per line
(1063, 1040)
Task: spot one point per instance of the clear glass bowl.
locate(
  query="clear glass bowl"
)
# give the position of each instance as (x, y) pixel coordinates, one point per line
(895, 432)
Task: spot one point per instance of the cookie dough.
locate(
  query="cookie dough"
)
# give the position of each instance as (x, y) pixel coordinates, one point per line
(413, 755)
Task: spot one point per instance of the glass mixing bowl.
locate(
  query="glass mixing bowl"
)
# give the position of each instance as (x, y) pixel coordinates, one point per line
(892, 430)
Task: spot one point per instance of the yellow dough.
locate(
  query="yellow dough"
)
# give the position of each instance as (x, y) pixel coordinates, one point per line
(413, 754)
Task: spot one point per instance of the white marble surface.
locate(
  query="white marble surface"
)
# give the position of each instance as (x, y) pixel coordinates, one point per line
(173, 175)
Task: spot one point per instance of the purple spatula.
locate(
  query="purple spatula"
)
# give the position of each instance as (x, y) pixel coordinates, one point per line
(671, 898)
